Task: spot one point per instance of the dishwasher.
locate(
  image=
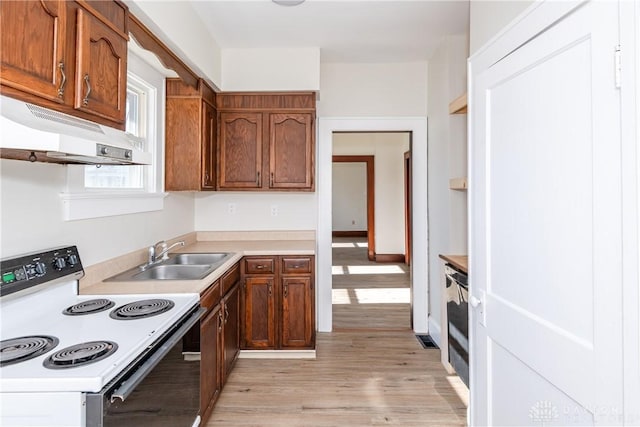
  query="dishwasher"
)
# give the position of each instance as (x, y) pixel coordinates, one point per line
(457, 290)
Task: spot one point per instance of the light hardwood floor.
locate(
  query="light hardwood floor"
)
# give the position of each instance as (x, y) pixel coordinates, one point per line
(368, 294)
(371, 371)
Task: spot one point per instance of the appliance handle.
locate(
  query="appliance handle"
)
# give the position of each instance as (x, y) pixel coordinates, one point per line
(127, 387)
(453, 280)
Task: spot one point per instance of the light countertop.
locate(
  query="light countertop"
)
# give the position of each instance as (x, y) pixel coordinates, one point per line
(240, 248)
(459, 261)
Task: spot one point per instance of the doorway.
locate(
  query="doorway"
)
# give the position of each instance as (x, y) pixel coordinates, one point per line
(370, 191)
(419, 265)
(371, 282)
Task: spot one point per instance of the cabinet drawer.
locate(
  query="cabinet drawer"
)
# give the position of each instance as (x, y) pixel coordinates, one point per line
(230, 278)
(259, 265)
(293, 265)
(211, 296)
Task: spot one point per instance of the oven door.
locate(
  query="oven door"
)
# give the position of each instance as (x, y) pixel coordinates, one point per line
(160, 389)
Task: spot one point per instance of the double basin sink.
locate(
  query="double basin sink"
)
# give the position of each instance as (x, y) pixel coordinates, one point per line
(176, 267)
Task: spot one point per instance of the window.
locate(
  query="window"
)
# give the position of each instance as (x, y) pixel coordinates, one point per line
(141, 97)
(106, 190)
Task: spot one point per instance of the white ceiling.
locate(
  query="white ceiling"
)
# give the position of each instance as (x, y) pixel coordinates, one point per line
(345, 30)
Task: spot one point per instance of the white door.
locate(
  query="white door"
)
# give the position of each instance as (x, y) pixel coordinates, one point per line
(545, 226)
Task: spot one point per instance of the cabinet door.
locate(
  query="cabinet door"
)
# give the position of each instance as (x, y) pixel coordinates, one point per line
(240, 151)
(259, 313)
(32, 47)
(210, 352)
(101, 68)
(231, 330)
(297, 312)
(209, 129)
(290, 151)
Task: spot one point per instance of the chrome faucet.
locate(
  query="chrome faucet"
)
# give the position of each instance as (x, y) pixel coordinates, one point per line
(155, 256)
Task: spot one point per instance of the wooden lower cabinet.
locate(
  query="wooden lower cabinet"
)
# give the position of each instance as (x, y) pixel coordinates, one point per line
(210, 355)
(296, 327)
(217, 338)
(259, 312)
(279, 305)
(231, 330)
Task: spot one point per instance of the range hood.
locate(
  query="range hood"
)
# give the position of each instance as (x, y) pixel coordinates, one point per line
(30, 132)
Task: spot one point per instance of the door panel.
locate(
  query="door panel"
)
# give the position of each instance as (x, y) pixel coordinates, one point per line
(32, 47)
(210, 343)
(290, 149)
(545, 240)
(209, 131)
(231, 330)
(101, 71)
(297, 326)
(240, 150)
(259, 316)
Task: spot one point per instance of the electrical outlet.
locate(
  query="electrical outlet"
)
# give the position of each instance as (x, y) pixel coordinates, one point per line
(274, 210)
(231, 208)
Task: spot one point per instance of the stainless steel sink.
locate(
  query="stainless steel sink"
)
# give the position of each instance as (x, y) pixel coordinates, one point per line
(197, 259)
(177, 267)
(175, 272)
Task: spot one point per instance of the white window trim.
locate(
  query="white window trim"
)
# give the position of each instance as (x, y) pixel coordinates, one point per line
(79, 202)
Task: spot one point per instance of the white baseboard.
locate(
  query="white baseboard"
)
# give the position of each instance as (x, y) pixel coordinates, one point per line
(435, 332)
(277, 354)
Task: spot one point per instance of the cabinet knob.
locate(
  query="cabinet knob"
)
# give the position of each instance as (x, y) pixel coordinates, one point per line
(286, 290)
(259, 267)
(270, 290)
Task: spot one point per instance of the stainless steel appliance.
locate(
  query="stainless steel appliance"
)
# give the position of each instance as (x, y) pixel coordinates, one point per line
(457, 289)
(91, 360)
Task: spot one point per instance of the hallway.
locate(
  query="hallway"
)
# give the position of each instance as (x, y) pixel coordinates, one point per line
(366, 294)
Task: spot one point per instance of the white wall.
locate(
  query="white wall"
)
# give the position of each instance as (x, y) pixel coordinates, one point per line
(388, 150)
(487, 17)
(178, 25)
(32, 217)
(373, 90)
(295, 211)
(349, 199)
(447, 154)
(271, 69)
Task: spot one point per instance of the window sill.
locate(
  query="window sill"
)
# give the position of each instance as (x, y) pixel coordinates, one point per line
(88, 205)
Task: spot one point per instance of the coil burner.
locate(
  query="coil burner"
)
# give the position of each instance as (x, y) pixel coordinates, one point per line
(141, 309)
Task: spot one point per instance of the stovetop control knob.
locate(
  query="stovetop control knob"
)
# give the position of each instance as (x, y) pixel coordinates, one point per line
(59, 263)
(41, 268)
(72, 260)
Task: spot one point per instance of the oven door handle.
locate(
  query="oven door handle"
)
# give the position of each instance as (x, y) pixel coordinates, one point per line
(127, 387)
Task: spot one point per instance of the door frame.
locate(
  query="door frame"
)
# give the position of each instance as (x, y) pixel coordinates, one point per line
(371, 195)
(417, 126)
(407, 207)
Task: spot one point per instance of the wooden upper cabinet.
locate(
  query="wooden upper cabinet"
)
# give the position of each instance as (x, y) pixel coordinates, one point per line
(32, 47)
(209, 130)
(266, 141)
(240, 151)
(291, 151)
(190, 129)
(101, 68)
(54, 53)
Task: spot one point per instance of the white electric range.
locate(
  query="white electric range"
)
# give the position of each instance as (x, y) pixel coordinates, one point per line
(80, 360)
